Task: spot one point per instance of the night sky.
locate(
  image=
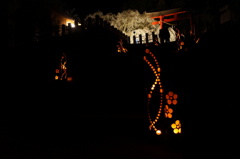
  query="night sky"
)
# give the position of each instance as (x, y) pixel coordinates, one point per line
(85, 7)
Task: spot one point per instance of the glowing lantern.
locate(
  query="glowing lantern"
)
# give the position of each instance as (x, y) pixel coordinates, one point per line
(176, 127)
(158, 132)
(69, 79)
(174, 102)
(171, 98)
(149, 95)
(147, 51)
(175, 131)
(170, 93)
(57, 71)
(161, 90)
(169, 115)
(173, 125)
(56, 77)
(175, 96)
(155, 69)
(169, 101)
(177, 122)
(71, 22)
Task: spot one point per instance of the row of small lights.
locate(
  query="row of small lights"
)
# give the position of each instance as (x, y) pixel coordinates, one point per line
(156, 70)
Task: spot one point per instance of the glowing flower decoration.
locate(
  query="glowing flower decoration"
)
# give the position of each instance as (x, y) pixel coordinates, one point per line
(168, 111)
(171, 98)
(176, 127)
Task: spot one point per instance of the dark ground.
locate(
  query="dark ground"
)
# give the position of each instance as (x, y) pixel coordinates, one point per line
(102, 112)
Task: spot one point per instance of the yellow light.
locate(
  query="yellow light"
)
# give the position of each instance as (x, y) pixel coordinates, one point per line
(177, 122)
(71, 22)
(158, 132)
(175, 131)
(56, 77)
(173, 126)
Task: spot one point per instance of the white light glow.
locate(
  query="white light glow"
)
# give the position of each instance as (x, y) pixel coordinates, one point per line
(71, 22)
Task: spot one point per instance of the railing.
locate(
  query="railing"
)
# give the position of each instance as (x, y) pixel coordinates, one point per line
(99, 22)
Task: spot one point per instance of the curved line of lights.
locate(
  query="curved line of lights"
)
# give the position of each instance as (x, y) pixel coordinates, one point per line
(156, 70)
(63, 67)
(170, 96)
(62, 71)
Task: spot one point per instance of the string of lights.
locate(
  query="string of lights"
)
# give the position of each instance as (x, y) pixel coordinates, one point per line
(156, 70)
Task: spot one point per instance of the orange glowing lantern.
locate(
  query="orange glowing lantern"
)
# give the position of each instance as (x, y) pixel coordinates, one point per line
(171, 98)
(169, 115)
(176, 131)
(56, 77)
(158, 132)
(147, 51)
(57, 71)
(170, 110)
(69, 79)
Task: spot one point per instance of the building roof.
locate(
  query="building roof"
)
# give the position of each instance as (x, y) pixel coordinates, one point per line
(164, 12)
